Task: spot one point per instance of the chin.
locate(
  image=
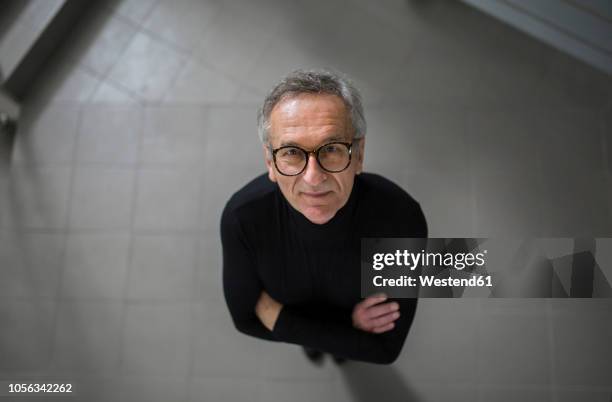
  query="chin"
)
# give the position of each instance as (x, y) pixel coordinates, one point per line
(318, 216)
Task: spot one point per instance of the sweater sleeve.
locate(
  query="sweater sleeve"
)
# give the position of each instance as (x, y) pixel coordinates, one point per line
(241, 284)
(340, 338)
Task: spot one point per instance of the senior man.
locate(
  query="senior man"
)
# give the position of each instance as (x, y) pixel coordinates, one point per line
(291, 238)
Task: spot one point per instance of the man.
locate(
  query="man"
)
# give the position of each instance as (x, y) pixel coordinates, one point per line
(291, 238)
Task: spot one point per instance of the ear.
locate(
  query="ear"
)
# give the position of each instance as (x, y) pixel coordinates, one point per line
(360, 155)
(269, 163)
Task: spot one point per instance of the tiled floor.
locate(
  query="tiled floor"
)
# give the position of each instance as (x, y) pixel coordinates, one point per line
(143, 125)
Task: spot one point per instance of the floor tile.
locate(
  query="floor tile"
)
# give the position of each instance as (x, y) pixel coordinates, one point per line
(163, 268)
(286, 362)
(109, 135)
(515, 393)
(102, 198)
(199, 84)
(95, 266)
(574, 203)
(111, 94)
(31, 264)
(88, 336)
(504, 141)
(560, 145)
(99, 40)
(586, 365)
(147, 67)
(134, 10)
(156, 339)
(505, 361)
(216, 340)
(224, 389)
(442, 328)
(435, 190)
(174, 135)
(363, 381)
(168, 199)
(152, 388)
(64, 82)
(38, 197)
(209, 269)
(301, 391)
(184, 23)
(27, 341)
(48, 135)
(508, 204)
(582, 394)
(235, 39)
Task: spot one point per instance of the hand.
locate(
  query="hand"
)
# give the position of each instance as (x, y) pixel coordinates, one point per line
(371, 315)
(267, 309)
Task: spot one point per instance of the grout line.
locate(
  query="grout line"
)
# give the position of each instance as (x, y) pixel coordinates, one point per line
(65, 231)
(130, 257)
(171, 84)
(197, 295)
(105, 77)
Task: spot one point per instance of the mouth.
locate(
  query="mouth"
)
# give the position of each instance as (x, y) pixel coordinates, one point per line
(316, 195)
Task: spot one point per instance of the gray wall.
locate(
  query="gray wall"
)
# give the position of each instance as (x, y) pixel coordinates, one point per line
(144, 124)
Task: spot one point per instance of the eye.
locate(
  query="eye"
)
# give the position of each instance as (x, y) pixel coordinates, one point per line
(331, 148)
(288, 152)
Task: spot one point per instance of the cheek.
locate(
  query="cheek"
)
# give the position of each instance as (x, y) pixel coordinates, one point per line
(345, 185)
(345, 182)
(287, 184)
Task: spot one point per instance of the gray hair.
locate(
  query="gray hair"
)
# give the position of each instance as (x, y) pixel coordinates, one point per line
(313, 82)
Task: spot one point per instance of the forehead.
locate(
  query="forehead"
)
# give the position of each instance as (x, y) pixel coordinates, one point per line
(309, 119)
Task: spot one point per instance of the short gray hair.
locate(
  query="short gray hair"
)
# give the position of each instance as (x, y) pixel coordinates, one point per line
(313, 82)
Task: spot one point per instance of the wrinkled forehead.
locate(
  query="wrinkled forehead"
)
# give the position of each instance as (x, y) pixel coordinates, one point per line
(309, 117)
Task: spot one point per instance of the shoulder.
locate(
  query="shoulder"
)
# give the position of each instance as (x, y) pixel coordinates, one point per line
(386, 203)
(251, 201)
(379, 190)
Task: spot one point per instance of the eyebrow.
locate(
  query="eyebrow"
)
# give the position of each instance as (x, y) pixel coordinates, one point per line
(333, 138)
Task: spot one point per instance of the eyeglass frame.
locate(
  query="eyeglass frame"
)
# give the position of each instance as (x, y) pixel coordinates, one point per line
(315, 152)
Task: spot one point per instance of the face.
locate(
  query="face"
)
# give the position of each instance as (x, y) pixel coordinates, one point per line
(309, 121)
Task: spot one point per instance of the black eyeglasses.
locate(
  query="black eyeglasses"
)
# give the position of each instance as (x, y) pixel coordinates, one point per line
(333, 157)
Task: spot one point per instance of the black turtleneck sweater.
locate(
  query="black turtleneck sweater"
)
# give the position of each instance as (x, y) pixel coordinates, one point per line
(313, 270)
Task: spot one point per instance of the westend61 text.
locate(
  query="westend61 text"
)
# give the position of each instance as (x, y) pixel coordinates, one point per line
(432, 281)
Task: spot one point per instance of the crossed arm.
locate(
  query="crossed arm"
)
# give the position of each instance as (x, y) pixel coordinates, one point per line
(367, 336)
(368, 315)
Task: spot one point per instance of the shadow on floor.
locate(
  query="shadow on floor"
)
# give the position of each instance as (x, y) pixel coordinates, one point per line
(369, 382)
(7, 139)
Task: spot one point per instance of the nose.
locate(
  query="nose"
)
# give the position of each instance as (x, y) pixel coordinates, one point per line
(314, 175)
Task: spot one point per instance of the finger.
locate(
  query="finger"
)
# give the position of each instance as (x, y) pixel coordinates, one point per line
(372, 300)
(381, 309)
(385, 328)
(384, 320)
